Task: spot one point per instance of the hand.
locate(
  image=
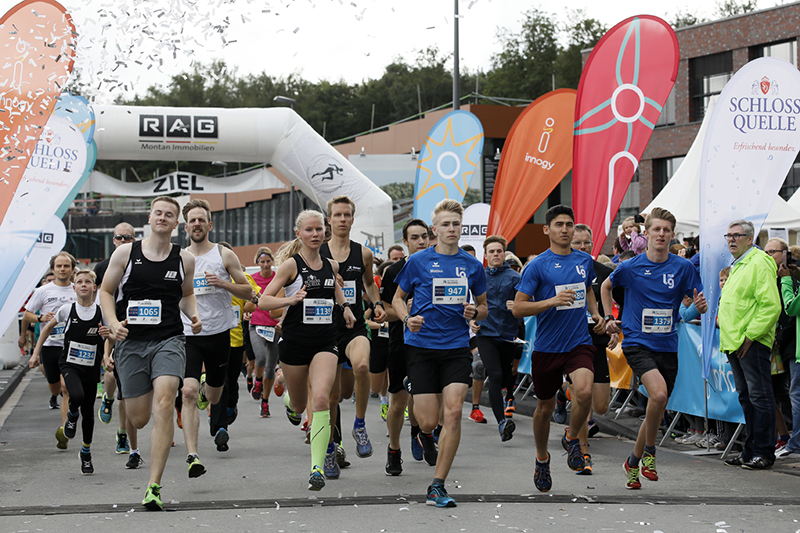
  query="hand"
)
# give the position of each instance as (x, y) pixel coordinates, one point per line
(254, 297)
(612, 327)
(783, 271)
(415, 323)
(563, 298)
(108, 361)
(510, 305)
(474, 326)
(23, 340)
(47, 317)
(34, 360)
(279, 327)
(613, 341)
(103, 331)
(213, 280)
(120, 331)
(197, 326)
(379, 315)
(700, 302)
(298, 296)
(247, 316)
(340, 280)
(470, 311)
(744, 348)
(349, 318)
(599, 324)
(682, 252)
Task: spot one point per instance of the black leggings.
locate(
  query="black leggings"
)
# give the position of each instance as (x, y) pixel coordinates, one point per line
(230, 394)
(498, 357)
(82, 388)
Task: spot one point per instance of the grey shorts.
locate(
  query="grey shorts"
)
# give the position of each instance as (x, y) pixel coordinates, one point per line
(138, 363)
(266, 352)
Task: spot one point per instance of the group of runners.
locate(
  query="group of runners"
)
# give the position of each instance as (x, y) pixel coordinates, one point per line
(169, 315)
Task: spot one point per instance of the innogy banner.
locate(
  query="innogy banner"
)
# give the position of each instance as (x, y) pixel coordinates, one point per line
(37, 47)
(447, 161)
(623, 88)
(536, 156)
(751, 142)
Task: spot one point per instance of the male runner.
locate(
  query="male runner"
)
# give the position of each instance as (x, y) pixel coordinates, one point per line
(655, 283)
(154, 278)
(437, 336)
(355, 267)
(555, 287)
(415, 237)
(48, 299)
(215, 267)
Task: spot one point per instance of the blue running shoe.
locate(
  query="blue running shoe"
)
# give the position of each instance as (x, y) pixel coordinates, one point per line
(122, 443)
(363, 445)
(575, 459)
(221, 440)
(506, 428)
(106, 411)
(331, 467)
(416, 449)
(541, 477)
(317, 480)
(438, 496)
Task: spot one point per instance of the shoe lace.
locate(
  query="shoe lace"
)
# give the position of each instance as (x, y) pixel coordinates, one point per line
(438, 491)
(649, 462)
(633, 474)
(361, 436)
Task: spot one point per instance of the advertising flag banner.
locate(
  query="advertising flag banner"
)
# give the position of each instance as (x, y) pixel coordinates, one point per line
(77, 110)
(623, 88)
(536, 156)
(447, 161)
(751, 143)
(473, 228)
(37, 46)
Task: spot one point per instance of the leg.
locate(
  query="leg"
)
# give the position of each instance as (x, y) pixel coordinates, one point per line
(89, 384)
(163, 396)
(744, 400)
(656, 388)
(541, 425)
(296, 377)
(490, 355)
(582, 380)
(395, 417)
(358, 353)
(190, 415)
(794, 395)
(756, 368)
(269, 370)
(453, 397)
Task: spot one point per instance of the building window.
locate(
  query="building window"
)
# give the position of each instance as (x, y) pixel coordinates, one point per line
(786, 50)
(663, 170)
(707, 77)
(667, 116)
(792, 182)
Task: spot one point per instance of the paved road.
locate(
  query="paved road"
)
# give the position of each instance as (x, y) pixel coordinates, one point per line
(260, 484)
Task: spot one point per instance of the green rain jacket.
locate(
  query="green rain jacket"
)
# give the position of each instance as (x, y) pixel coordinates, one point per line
(791, 302)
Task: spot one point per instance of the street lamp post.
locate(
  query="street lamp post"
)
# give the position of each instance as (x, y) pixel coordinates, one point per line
(456, 73)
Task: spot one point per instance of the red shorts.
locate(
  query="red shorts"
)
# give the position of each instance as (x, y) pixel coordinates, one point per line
(548, 369)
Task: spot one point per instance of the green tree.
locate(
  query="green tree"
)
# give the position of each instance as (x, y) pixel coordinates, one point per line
(731, 8)
(681, 19)
(583, 33)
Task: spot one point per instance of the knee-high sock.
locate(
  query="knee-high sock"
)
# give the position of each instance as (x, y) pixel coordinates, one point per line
(320, 435)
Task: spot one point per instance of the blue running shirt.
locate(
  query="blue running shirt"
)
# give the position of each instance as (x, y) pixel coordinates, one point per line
(653, 295)
(559, 329)
(440, 283)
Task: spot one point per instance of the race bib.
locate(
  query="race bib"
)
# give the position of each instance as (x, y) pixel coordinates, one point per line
(58, 332)
(449, 291)
(81, 354)
(144, 312)
(383, 332)
(317, 311)
(266, 332)
(349, 291)
(237, 312)
(201, 286)
(656, 321)
(580, 295)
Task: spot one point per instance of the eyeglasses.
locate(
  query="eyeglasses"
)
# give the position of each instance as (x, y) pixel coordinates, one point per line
(734, 236)
(128, 238)
(773, 252)
(578, 243)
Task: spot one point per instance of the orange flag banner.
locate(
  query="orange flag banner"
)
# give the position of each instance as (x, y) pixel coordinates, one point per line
(536, 157)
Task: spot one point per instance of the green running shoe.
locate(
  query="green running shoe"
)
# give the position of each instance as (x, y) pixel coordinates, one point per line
(202, 401)
(152, 498)
(196, 468)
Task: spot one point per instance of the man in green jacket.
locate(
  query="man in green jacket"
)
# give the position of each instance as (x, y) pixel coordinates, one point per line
(792, 304)
(749, 307)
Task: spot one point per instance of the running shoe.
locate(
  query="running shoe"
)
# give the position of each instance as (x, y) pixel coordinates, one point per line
(196, 468)
(106, 411)
(258, 389)
(510, 408)
(429, 451)
(278, 388)
(594, 429)
(649, 466)
(784, 452)
(293, 417)
(587, 466)
(71, 425)
(437, 496)
(394, 462)
(632, 474)
(202, 401)
(405, 414)
(384, 411)
(341, 457)
(780, 443)
(62, 439)
(574, 455)
(265, 409)
(317, 479)
(54, 402)
(560, 412)
(232, 413)
(506, 428)
(134, 461)
(541, 476)
(249, 385)
(477, 416)
(152, 498)
(694, 437)
(87, 469)
(416, 449)
(709, 441)
(331, 468)
(122, 443)
(682, 438)
(363, 445)
(221, 440)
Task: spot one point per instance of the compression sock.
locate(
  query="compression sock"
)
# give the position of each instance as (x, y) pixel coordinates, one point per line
(86, 448)
(359, 423)
(650, 449)
(320, 435)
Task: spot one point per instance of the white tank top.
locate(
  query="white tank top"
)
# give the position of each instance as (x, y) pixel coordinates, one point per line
(213, 303)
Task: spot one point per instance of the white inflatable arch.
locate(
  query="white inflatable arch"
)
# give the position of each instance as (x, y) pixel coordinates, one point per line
(277, 136)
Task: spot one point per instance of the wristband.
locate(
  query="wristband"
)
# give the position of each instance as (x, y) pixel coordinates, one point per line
(379, 303)
(39, 319)
(608, 318)
(476, 313)
(405, 321)
(345, 305)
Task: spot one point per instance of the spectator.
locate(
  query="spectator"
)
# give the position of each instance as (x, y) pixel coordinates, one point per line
(678, 249)
(630, 238)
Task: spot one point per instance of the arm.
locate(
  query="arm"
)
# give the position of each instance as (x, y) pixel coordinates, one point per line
(638, 242)
(768, 304)
(269, 300)
(241, 287)
(591, 305)
(477, 311)
(23, 336)
(414, 323)
(349, 317)
(612, 326)
(188, 303)
(34, 361)
(524, 306)
(114, 272)
(369, 284)
(790, 300)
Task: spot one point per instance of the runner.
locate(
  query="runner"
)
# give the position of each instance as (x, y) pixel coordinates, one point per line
(355, 269)
(80, 360)
(123, 233)
(655, 283)
(495, 336)
(216, 268)
(308, 351)
(154, 278)
(263, 337)
(437, 336)
(415, 238)
(379, 346)
(554, 288)
(46, 300)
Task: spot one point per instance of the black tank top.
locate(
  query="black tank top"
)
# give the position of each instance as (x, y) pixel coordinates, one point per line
(83, 332)
(155, 288)
(320, 285)
(352, 272)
